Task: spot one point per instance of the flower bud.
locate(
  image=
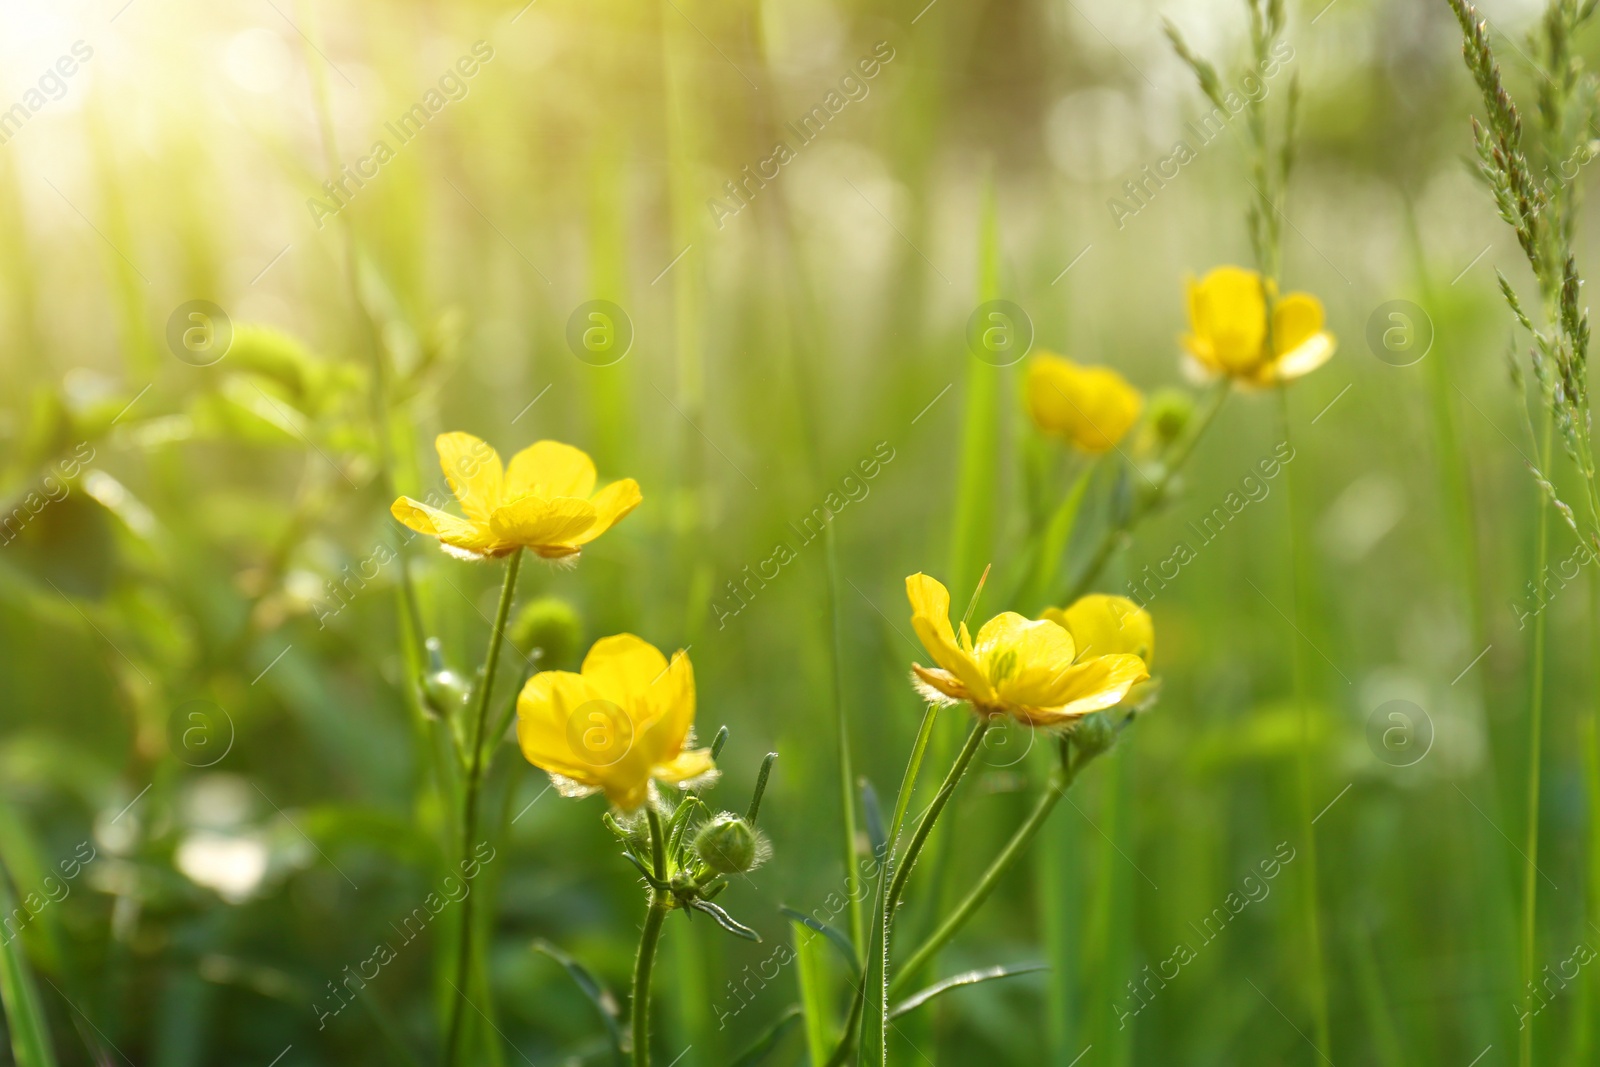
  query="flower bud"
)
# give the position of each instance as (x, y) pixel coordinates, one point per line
(444, 692)
(1093, 735)
(727, 844)
(1169, 413)
(550, 625)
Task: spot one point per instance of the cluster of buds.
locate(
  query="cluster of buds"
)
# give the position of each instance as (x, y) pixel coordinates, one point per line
(686, 853)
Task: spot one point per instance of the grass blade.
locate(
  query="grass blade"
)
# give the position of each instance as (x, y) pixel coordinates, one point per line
(957, 981)
(813, 996)
(593, 988)
(25, 1018)
(768, 1041)
(833, 934)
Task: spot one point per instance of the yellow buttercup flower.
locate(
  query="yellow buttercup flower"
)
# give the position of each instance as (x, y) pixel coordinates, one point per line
(1228, 317)
(622, 722)
(1103, 625)
(1030, 669)
(544, 500)
(1091, 407)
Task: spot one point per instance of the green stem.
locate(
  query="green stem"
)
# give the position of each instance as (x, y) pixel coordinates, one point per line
(1117, 532)
(1530, 884)
(469, 807)
(1061, 779)
(902, 872)
(649, 938)
(1317, 978)
(874, 964)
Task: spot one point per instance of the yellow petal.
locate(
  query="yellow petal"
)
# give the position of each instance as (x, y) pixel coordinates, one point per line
(1094, 684)
(566, 727)
(658, 696)
(939, 683)
(1295, 320)
(1024, 659)
(1101, 625)
(473, 470)
(1301, 360)
(611, 505)
(538, 523)
(930, 618)
(1091, 407)
(1228, 319)
(550, 469)
(448, 528)
(685, 767)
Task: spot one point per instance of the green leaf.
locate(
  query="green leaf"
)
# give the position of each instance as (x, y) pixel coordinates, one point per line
(593, 988)
(768, 1041)
(1053, 545)
(872, 815)
(30, 1035)
(966, 978)
(839, 938)
(813, 995)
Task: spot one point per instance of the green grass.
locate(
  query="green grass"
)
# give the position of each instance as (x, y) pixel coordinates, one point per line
(770, 361)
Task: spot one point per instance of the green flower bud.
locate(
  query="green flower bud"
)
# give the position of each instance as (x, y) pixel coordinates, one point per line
(444, 692)
(551, 626)
(727, 844)
(1169, 413)
(1093, 735)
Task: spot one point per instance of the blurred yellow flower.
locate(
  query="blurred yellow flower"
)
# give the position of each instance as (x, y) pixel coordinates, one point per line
(1228, 311)
(621, 722)
(1091, 407)
(544, 500)
(1103, 625)
(1030, 669)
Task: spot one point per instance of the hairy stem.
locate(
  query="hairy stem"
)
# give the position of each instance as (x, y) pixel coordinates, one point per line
(649, 938)
(473, 786)
(1061, 778)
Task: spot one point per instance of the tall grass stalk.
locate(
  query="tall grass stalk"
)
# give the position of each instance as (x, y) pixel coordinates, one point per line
(1315, 967)
(1530, 844)
(847, 778)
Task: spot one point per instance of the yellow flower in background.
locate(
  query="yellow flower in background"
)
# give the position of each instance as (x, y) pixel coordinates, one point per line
(622, 722)
(1091, 407)
(1228, 311)
(1103, 625)
(544, 500)
(1030, 669)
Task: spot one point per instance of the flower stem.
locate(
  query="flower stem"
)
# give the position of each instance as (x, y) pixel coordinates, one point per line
(1113, 538)
(473, 786)
(902, 871)
(649, 938)
(1061, 779)
(892, 878)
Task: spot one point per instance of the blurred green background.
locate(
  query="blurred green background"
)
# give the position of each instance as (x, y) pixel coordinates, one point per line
(205, 540)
